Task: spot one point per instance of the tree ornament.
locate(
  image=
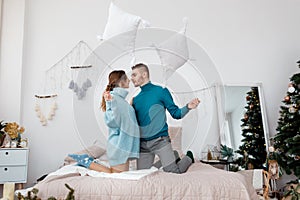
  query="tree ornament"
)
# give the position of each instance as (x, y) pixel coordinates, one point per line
(251, 106)
(292, 109)
(292, 156)
(250, 166)
(291, 89)
(287, 98)
(246, 117)
(248, 98)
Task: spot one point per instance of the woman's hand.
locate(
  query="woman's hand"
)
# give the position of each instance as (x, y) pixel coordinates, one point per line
(107, 96)
(131, 101)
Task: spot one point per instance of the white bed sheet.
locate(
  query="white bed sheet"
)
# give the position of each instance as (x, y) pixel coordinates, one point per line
(201, 181)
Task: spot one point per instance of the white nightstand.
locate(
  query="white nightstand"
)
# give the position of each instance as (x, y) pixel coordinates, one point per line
(13, 165)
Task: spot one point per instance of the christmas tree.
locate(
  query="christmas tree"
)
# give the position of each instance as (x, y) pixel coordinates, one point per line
(253, 150)
(287, 139)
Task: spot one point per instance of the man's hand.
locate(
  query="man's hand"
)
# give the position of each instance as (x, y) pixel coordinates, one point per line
(193, 104)
(107, 96)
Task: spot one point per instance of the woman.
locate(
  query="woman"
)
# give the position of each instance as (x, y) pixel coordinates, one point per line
(124, 137)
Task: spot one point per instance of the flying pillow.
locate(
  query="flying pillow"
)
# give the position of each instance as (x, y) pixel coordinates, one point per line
(120, 21)
(124, 25)
(174, 52)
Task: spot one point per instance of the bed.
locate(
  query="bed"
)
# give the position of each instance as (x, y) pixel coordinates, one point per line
(201, 181)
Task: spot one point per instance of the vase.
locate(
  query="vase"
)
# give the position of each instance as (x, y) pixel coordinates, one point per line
(230, 159)
(2, 137)
(14, 143)
(6, 141)
(23, 143)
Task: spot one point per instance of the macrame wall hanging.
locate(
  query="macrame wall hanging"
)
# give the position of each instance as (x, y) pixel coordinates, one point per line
(80, 89)
(57, 78)
(60, 74)
(45, 107)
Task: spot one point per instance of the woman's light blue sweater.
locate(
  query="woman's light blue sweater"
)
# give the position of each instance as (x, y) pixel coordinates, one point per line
(124, 136)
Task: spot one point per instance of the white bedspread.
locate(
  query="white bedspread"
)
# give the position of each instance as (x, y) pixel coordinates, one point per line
(129, 175)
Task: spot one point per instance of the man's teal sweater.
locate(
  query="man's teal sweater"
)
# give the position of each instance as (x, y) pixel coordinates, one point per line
(150, 107)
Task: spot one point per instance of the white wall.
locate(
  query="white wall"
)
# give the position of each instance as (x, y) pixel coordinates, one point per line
(11, 55)
(0, 17)
(249, 41)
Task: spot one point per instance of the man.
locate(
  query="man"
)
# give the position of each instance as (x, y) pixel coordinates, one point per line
(150, 107)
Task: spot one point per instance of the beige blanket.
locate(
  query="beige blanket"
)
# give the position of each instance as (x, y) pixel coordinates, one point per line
(201, 181)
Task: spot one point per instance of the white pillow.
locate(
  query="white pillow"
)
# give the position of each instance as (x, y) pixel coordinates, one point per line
(120, 21)
(174, 52)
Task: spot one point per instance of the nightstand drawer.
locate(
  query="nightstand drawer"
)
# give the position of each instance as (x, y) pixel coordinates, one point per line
(13, 174)
(13, 157)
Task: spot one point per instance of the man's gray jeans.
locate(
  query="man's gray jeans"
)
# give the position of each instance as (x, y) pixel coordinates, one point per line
(162, 147)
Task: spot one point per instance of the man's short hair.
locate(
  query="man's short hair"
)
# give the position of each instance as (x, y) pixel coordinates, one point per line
(141, 66)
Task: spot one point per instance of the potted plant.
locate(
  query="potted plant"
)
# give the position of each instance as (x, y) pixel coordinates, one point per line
(14, 131)
(227, 153)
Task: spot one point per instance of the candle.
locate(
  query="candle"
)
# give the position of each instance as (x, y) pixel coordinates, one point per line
(9, 191)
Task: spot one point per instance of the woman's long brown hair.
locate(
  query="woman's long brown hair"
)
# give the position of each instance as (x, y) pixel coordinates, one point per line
(113, 80)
